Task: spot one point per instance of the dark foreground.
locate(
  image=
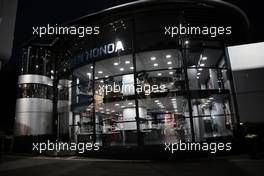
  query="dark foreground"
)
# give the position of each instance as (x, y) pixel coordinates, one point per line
(74, 166)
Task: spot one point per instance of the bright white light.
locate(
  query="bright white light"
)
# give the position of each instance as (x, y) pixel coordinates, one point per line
(153, 58)
(102, 81)
(123, 106)
(171, 73)
(88, 74)
(100, 72)
(130, 103)
(200, 69)
(91, 67)
(121, 69)
(202, 65)
(204, 58)
(169, 63)
(131, 68)
(116, 63)
(117, 104)
(127, 62)
(101, 108)
(168, 56)
(106, 76)
(170, 68)
(198, 73)
(155, 65)
(96, 77)
(156, 101)
(186, 42)
(159, 74)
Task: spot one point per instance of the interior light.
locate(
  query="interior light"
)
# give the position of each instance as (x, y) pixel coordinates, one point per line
(116, 63)
(127, 62)
(200, 69)
(186, 42)
(123, 106)
(198, 77)
(170, 68)
(106, 76)
(102, 81)
(91, 67)
(100, 72)
(198, 73)
(202, 65)
(130, 103)
(101, 108)
(156, 101)
(96, 77)
(88, 74)
(211, 98)
(153, 58)
(170, 73)
(117, 104)
(121, 69)
(159, 74)
(168, 56)
(155, 65)
(173, 99)
(169, 63)
(204, 58)
(131, 68)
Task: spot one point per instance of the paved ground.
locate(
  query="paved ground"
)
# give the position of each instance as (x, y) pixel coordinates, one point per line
(73, 166)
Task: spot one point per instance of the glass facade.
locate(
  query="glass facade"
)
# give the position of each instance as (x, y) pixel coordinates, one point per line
(155, 89)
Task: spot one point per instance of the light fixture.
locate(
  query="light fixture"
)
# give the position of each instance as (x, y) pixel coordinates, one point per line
(131, 68)
(127, 62)
(116, 63)
(211, 98)
(159, 74)
(123, 106)
(168, 56)
(130, 103)
(198, 73)
(102, 81)
(121, 69)
(117, 104)
(198, 77)
(169, 63)
(91, 67)
(170, 68)
(101, 108)
(155, 65)
(159, 103)
(186, 42)
(96, 77)
(171, 73)
(204, 58)
(153, 58)
(100, 72)
(202, 65)
(156, 101)
(106, 76)
(88, 74)
(173, 99)
(200, 69)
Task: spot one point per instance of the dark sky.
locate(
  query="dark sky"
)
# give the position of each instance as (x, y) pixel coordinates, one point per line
(35, 13)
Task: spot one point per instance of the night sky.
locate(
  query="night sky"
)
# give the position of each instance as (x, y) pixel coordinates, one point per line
(35, 13)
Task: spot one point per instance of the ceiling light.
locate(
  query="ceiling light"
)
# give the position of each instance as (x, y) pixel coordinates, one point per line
(100, 72)
(168, 56)
(117, 104)
(121, 69)
(156, 101)
(130, 103)
(198, 77)
(131, 68)
(88, 74)
(106, 76)
(198, 73)
(113, 111)
(123, 106)
(211, 98)
(204, 58)
(127, 62)
(173, 99)
(186, 42)
(153, 58)
(202, 65)
(170, 73)
(159, 74)
(170, 68)
(91, 67)
(102, 81)
(169, 63)
(96, 77)
(200, 69)
(155, 65)
(116, 63)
